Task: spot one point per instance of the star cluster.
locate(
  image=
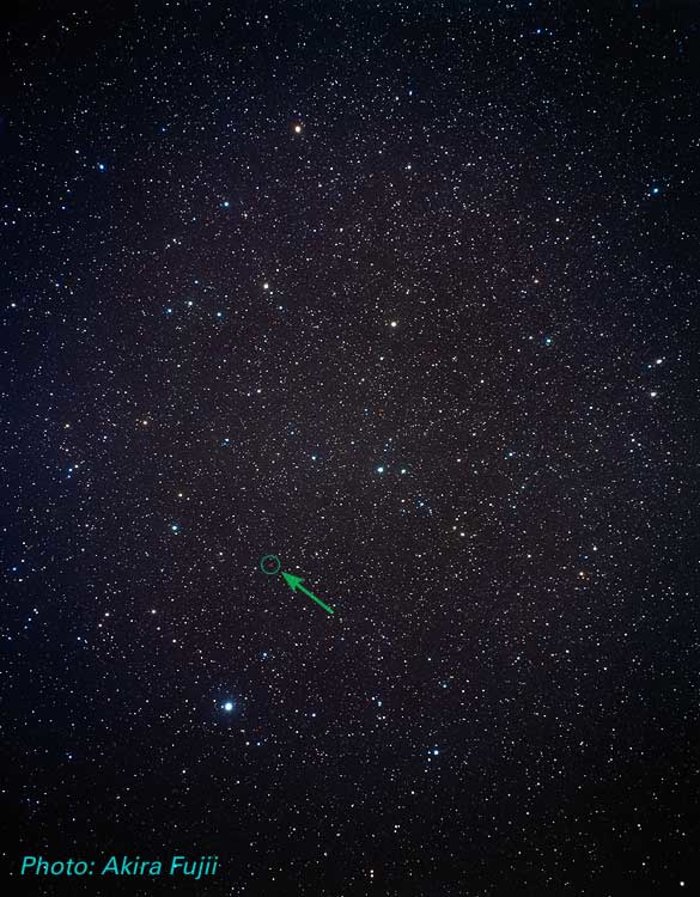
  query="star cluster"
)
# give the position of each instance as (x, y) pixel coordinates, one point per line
(399, 292)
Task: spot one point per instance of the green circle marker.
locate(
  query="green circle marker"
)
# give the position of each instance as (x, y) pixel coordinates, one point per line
(274, 564)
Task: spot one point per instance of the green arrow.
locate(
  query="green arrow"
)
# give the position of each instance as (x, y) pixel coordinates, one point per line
(295, 582)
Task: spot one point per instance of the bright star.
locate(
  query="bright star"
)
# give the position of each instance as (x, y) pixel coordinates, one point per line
(228, 706)
(380, 470)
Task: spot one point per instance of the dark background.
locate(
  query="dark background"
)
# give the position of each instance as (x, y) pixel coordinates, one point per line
(211, 215)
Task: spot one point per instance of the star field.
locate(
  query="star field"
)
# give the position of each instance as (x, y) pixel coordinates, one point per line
(400, 292)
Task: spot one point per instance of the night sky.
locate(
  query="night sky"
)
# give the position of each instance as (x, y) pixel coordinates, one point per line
(400, 292)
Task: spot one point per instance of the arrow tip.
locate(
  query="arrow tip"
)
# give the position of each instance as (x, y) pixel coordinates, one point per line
(292, 581)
